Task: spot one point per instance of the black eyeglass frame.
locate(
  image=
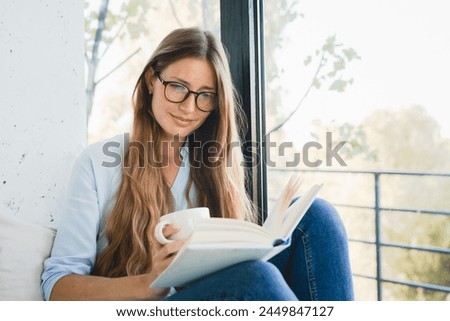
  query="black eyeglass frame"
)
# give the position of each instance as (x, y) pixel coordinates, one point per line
(196, 93)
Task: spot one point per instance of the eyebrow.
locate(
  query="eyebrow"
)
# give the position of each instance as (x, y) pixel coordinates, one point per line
(187, 84)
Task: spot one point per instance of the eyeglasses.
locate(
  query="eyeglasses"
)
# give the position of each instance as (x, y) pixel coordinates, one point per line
(177, 93)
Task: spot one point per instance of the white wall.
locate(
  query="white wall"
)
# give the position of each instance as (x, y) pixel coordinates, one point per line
(42, 104)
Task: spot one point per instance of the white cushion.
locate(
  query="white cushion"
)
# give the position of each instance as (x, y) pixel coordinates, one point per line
(23, 249)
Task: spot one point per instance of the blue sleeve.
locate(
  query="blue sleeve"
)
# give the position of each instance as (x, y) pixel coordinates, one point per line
(75, 246)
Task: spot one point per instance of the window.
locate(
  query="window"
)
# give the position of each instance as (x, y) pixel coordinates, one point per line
(350, 93)
(367, 80)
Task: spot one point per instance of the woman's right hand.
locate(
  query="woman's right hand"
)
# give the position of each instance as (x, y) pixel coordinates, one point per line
(164, 255)
(136, 287)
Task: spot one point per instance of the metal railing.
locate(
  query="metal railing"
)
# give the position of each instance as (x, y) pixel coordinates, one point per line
(378, 242)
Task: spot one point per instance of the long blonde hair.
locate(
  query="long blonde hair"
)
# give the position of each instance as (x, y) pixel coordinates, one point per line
(218, 176)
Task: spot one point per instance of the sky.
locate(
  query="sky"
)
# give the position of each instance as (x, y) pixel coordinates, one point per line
(404, 48)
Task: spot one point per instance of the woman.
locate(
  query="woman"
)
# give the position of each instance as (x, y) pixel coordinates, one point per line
(105, 246)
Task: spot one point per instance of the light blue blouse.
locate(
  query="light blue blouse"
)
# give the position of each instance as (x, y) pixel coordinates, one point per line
(95, 178)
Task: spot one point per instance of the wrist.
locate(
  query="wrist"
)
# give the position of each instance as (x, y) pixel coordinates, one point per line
(149, 293)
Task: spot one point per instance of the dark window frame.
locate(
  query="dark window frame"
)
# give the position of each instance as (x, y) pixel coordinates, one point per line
(242, 33)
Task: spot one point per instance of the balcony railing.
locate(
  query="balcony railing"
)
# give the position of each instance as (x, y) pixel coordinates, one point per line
(378, 242)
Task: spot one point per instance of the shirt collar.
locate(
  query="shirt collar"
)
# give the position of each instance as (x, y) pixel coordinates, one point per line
(184, 152)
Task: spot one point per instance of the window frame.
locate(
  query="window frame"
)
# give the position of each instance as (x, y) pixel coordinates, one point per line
(242, 33)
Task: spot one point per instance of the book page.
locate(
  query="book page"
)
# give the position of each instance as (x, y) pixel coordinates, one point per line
(296, 211)
(276, 215)
(226, 230)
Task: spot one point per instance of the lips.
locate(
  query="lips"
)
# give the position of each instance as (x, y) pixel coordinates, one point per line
(182, 120)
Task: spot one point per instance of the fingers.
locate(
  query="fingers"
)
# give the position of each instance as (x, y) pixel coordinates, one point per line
(168, 250)
(162, 259)
(170, 230)
(165, 233)
(172, 248)
(165, 255)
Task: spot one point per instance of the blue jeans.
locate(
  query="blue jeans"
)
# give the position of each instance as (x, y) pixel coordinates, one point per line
(314, 267)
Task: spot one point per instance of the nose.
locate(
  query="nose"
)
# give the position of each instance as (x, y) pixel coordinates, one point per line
(189, 104)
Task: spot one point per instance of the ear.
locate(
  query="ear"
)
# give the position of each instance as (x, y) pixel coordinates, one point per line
(150, 78)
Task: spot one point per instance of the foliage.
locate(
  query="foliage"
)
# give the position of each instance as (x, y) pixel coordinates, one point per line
(126, 21)
(330, 61)
(413, 265)
(102, 27)
(406, 139)
(410, 139)
(277, 16)
(336, 57)
(354, 136)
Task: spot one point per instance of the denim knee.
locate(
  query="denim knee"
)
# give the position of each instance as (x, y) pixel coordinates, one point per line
(325, 220)
(324, 240)
(260, 280)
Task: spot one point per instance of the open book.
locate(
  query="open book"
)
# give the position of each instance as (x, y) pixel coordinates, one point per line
(217, 243)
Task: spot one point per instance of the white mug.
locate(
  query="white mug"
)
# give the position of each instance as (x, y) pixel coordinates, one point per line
(184, 219)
